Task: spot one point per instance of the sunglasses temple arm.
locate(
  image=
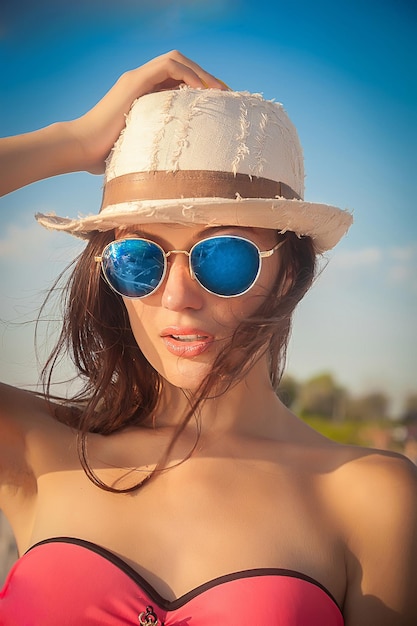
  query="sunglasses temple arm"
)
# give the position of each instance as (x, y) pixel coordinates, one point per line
(268, 253)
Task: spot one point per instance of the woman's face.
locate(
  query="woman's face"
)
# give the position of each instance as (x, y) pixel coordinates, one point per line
(181, 328)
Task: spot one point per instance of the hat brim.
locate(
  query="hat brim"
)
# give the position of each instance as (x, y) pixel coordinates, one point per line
(325, 224)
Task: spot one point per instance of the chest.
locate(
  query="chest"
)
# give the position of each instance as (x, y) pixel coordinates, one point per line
(202, 519)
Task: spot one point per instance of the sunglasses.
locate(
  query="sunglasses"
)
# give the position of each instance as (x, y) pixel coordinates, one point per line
(224, 265)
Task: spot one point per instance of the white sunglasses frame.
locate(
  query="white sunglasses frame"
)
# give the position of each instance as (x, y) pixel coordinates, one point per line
(263, 254)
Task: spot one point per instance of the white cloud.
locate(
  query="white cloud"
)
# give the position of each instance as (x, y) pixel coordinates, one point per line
(32, 243)
(403, 266)
(406, 253)
(352, 259)
(21, 242)
(396, 265)
(399, 273)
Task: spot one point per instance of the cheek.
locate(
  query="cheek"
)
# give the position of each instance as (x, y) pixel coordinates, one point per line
(229, 313)
(249, 303)
(141, 324)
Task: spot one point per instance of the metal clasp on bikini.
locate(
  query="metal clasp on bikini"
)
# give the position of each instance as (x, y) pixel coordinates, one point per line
(148, 618)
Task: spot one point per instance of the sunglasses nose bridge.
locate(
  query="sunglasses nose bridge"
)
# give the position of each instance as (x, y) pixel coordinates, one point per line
(188, 254)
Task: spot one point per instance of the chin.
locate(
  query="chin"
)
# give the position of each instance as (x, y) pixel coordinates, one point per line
(186, 374)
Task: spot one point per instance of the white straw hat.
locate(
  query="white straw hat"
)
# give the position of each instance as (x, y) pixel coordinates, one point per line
(208, 157)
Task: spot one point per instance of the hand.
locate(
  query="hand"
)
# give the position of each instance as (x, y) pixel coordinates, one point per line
(97, 130)
(84, 144)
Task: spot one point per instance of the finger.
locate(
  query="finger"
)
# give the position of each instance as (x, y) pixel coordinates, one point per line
(224, 85)
(165, 73)
(206, 79)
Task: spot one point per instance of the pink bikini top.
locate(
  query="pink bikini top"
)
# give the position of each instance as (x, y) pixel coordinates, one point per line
(72, 582)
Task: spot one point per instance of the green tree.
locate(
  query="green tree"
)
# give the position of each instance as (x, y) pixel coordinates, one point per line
(288, 390)
(409, 414)
(372, 406)
(321, 395)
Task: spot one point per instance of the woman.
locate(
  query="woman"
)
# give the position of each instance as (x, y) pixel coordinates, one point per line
(177, 489)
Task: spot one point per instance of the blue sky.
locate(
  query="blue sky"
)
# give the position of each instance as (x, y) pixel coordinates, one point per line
(345, 72)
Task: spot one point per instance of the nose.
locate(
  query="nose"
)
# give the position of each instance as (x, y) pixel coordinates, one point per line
(180, 291)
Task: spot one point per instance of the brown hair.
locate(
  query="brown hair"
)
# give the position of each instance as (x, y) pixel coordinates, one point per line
(120, 387)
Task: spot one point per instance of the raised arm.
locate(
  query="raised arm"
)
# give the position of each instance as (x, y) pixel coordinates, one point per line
(28, 432)
(84, 143)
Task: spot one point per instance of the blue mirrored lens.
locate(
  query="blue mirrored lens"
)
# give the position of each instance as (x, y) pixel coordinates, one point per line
(133, 267)
(225, 265)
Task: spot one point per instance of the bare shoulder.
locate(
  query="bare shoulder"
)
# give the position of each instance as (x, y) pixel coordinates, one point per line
(374, 495)
(376, 479)
(28, 427)
(20, 410)
(369, 504)
(365, 473)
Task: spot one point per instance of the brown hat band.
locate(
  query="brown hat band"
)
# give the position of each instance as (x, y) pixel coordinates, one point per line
(164, 185)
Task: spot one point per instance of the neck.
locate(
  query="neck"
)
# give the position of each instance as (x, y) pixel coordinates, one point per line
(248, 408)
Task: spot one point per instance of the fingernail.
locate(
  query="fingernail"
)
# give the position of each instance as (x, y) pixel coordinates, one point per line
(204, 83)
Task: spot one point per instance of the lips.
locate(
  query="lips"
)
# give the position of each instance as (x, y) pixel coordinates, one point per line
(186, 342)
